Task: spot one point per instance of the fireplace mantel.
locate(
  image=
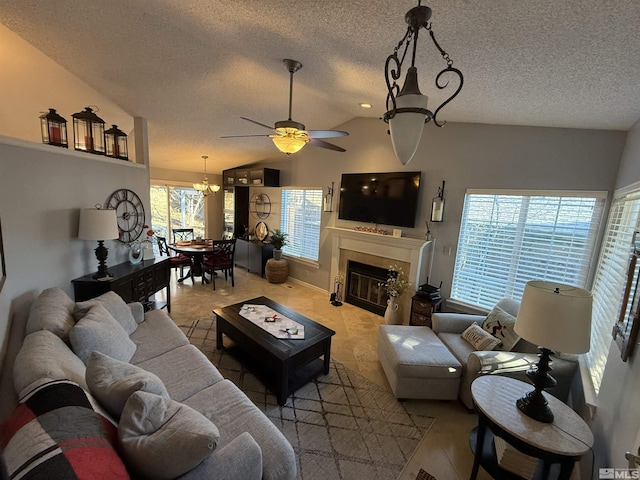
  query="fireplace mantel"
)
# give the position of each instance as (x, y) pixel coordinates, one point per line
(415, 251)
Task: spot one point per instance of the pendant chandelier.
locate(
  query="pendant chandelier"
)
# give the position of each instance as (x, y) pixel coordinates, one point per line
(204, 187)
(407, 108)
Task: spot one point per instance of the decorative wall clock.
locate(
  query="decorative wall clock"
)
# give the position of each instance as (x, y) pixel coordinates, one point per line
(129, 213)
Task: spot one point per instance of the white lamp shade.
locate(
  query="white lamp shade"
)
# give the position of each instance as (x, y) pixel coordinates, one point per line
(406, 127)
(97, 224)
(289, 143)
(555, 316)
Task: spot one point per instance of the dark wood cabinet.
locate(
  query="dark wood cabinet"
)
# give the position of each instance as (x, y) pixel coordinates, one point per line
(253, 255)
(251, 177)
(236, 210)
(422, 306)
(134, 283)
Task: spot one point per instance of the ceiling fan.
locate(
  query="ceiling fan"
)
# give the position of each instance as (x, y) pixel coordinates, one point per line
(290, 136)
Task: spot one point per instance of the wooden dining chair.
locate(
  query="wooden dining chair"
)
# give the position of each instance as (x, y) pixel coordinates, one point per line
(175, 261)
(221, 260)
(182, 234)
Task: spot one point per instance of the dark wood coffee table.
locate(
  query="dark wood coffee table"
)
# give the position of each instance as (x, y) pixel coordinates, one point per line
(282, 365)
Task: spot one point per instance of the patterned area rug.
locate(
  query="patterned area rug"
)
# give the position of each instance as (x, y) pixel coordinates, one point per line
(341, 425)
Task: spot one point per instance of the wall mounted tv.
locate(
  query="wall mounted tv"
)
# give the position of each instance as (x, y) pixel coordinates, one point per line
(382, 198)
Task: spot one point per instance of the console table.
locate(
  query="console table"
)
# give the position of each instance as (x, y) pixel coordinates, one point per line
(560, 443)
(134, 283)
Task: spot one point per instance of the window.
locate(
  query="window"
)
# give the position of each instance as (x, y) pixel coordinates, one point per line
(507, 239)
(301, 210)
(610, 280)
(176, 207)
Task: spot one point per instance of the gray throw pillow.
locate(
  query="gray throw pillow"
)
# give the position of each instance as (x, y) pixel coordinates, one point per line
(163, 438)
(99, 331)
(52, 310)
(115, 305)
(112, 382)
(500, 324)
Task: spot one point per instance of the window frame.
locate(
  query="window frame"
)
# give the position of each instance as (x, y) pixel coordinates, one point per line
(520, 238)
(298, 237)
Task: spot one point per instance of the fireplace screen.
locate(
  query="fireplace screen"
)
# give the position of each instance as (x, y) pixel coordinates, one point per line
(364, 287)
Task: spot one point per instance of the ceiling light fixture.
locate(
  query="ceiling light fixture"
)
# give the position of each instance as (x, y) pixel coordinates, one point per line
(407, 110)
(204, 187)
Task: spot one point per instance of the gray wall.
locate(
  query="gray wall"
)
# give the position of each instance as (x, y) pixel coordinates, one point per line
(617, 421)
(465, 156)
(42, 189)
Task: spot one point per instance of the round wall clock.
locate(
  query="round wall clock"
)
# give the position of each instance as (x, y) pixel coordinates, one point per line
(129, 213)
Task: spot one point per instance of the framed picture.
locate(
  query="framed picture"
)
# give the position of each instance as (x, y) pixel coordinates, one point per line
(3, 269)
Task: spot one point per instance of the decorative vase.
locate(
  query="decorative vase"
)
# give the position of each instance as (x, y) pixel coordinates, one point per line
(277, 254)
(391, 316)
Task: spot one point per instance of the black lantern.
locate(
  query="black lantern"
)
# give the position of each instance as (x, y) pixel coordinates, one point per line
(437, 205)
(54, 129)
(116, 141)
(88, 132)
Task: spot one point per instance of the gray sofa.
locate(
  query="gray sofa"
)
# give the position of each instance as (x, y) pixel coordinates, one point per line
(60, 340)
(515, 363)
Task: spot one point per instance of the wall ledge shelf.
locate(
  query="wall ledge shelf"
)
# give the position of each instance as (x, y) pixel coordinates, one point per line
(18, 142)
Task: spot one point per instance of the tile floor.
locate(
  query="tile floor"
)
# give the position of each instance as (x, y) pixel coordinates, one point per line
(445, 453)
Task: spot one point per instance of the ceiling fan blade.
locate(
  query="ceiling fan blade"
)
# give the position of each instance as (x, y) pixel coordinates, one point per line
(240, 136)
(257, 123)
(326, 133)
(321, 143)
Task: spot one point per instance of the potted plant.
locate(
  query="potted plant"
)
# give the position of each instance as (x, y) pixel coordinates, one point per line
(278, 239)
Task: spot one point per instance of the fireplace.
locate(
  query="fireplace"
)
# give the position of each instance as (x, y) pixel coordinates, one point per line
(363, 287)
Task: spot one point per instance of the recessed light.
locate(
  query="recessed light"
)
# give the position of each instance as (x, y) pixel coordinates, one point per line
(365, 105)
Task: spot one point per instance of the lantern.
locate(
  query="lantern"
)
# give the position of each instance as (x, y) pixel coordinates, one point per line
(54, 129)
(88, 132)
(116, 141)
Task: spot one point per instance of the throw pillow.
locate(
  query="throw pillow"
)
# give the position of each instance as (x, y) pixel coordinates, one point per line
(500, 324)
(480, 339)
(52, 310)
(112, 382)
(54, 433)
(44, 355)
(162, 438)
(99, 331)
(115, 305)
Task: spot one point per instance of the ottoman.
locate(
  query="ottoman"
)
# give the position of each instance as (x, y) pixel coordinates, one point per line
(417, 364)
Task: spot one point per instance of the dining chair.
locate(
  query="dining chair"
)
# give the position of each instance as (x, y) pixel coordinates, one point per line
(220, 260)
(175, 261)
(182, 234)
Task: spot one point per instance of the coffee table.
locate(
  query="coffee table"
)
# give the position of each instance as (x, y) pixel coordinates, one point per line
(282, 365)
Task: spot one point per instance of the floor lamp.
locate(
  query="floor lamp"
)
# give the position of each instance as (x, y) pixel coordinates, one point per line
(557, 318)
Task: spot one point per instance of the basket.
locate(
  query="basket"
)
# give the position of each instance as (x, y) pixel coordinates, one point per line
(277, 271)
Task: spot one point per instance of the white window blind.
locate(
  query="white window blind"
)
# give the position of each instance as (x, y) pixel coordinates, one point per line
(509, 238)
(610, 280)
(301, 212)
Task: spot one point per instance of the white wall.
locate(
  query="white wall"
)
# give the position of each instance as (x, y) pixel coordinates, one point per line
(617, 422)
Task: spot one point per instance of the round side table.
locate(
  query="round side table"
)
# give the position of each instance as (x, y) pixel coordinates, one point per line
(561, 442)
(276, 271)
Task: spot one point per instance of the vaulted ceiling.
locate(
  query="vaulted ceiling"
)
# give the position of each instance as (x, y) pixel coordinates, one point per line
(192, 68)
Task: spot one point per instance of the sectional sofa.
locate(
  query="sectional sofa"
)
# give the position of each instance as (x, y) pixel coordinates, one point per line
(103, 385)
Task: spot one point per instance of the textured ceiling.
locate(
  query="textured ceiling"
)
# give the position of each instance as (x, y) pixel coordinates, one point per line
(193, 67)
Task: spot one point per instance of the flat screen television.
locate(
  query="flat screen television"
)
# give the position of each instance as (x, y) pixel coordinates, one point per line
(382, 198)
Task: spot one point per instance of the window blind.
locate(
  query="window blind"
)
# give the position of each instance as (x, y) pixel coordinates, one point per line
(507, 239)
(301, 215)
(610, 280)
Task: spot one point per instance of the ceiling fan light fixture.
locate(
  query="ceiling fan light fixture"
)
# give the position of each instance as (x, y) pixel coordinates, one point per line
(407, 110)
(289, 144)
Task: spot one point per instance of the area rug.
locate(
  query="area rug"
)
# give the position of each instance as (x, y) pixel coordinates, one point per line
(342, 426)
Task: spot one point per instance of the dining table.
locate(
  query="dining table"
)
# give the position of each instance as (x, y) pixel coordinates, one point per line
(196, 249)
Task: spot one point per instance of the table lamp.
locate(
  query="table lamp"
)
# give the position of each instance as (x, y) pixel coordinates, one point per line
(98, 224)
(557, 318)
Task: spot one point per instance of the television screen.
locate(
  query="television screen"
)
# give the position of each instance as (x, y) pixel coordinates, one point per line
(380, 198)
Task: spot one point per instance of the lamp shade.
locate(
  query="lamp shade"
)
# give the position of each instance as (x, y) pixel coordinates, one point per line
(289, 143)
(555, 316)
(97, 224)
